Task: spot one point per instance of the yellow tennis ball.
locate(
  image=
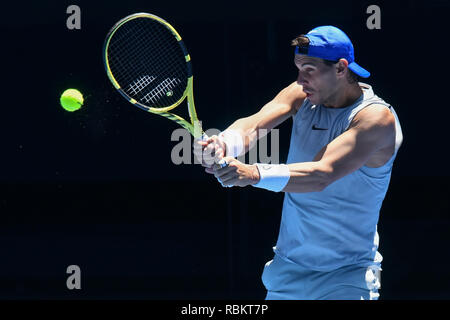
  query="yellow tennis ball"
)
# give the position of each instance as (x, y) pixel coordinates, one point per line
(71, 100)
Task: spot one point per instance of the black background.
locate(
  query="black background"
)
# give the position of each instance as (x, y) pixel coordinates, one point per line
(97, 188)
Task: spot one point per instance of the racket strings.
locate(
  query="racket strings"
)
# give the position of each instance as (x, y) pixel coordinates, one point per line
(164, 87)
(140, 84)
(135, 54)
(148, 62)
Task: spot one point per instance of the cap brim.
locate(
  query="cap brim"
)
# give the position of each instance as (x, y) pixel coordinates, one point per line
(360, 71)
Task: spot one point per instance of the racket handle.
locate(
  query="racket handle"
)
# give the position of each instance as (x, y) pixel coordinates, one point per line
(222, 163)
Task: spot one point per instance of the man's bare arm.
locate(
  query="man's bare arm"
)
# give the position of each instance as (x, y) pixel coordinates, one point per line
(372, 129)
(283, 106)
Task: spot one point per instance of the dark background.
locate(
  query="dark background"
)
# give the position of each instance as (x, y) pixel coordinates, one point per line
(97, 188)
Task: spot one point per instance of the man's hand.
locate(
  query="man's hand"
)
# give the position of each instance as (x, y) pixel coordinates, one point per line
(235, 174)
(209, 150)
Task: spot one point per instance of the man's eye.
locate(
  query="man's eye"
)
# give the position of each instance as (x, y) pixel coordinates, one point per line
(308, 70)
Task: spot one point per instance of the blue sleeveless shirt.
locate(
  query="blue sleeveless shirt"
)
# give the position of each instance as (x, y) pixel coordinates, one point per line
(337, 226)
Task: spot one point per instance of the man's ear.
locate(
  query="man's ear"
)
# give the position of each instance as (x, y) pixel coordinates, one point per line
(341, 67)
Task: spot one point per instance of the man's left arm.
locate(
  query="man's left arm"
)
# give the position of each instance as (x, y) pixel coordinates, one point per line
(372, 129)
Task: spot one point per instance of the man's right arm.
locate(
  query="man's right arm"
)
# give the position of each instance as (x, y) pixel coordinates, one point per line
(284, 105)
(249, 129)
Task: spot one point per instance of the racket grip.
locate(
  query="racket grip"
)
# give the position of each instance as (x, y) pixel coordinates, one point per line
(222, 163)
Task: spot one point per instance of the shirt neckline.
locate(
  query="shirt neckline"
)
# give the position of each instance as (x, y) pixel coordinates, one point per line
(367, 94)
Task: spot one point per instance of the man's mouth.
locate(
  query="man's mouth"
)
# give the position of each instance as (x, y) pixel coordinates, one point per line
(307, 90)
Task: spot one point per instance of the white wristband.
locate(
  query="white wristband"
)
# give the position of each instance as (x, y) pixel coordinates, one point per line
(273, 177)
(233, 142)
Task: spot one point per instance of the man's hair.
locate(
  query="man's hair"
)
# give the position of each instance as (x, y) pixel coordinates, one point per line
(303, 43)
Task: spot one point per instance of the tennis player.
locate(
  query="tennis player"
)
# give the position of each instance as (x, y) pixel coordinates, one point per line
(343, 144)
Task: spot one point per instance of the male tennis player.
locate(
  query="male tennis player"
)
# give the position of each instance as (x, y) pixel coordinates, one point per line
(343, 144)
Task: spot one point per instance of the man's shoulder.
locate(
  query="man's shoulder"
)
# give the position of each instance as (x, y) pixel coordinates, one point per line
(295, 89)
(292, 95)
(375, 114)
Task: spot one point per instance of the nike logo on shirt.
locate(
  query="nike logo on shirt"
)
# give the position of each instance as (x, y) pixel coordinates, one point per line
(314, 127)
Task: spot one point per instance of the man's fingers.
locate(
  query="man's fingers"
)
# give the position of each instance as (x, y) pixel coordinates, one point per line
(202, 143)
(232, 181)
(220, 154)
(208, 151)
(219, 173)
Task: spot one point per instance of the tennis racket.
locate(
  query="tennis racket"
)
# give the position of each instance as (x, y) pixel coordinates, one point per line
(148, 63)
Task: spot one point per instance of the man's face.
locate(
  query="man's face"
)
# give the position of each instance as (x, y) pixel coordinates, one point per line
(319, 81)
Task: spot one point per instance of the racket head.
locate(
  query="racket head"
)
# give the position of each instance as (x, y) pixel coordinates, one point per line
(148, 63)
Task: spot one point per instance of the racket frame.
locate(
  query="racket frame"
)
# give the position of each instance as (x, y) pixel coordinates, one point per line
(194, 126)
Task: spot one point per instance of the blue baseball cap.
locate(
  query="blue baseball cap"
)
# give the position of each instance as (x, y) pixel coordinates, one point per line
(331, 43)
